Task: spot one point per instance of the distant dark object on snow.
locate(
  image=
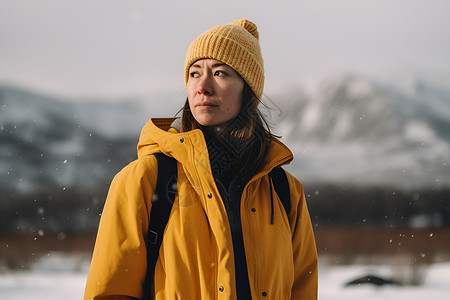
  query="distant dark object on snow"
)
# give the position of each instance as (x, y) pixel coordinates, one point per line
(372, 279)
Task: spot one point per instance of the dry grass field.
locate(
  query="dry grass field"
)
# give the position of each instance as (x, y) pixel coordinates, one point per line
(408, 252)
(428, 244)
(341, 245)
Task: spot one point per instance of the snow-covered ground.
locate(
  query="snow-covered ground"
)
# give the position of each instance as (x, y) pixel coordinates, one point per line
(63, 277)
(332, 284)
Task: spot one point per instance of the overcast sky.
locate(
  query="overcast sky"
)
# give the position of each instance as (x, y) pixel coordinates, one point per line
(133, 47)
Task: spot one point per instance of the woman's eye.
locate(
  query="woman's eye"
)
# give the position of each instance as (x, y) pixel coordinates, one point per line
(193, 74)
(219, 73)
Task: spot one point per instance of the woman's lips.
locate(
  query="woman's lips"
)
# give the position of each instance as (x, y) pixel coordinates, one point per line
(205, 106)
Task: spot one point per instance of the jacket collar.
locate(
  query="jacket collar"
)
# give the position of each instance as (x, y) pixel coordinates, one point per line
(158, 135)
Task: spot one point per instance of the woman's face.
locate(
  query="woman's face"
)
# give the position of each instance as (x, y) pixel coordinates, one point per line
(214, 91)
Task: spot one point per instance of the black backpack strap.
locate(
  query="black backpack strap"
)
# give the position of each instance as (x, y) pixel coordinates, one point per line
(162, 203)
(281, 185)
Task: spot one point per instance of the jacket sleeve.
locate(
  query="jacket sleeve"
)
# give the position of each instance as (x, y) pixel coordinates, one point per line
(119, 261)
(304, 247)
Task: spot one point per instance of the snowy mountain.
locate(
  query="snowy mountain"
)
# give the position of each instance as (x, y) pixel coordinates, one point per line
(354, 131)
(347, 130)
(48, 143)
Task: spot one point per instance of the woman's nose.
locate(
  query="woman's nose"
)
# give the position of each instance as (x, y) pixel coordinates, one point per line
(205, 86)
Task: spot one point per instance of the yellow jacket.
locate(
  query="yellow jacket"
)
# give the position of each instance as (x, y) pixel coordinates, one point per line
(196, 258)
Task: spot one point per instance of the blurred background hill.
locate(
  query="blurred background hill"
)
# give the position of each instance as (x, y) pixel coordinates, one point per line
(359, 146)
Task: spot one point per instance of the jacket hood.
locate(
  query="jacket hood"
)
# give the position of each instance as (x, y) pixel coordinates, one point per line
(158, 135)
(161, 135)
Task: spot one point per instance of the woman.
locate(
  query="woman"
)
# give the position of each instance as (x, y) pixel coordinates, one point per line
(228, 235)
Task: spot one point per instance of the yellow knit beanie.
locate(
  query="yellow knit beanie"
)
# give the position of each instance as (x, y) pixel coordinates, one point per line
(237, 45)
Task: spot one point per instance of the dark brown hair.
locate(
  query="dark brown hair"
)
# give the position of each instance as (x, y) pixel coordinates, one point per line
(248, 134)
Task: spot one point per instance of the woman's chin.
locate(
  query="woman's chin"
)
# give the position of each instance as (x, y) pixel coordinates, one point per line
(210, 122)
